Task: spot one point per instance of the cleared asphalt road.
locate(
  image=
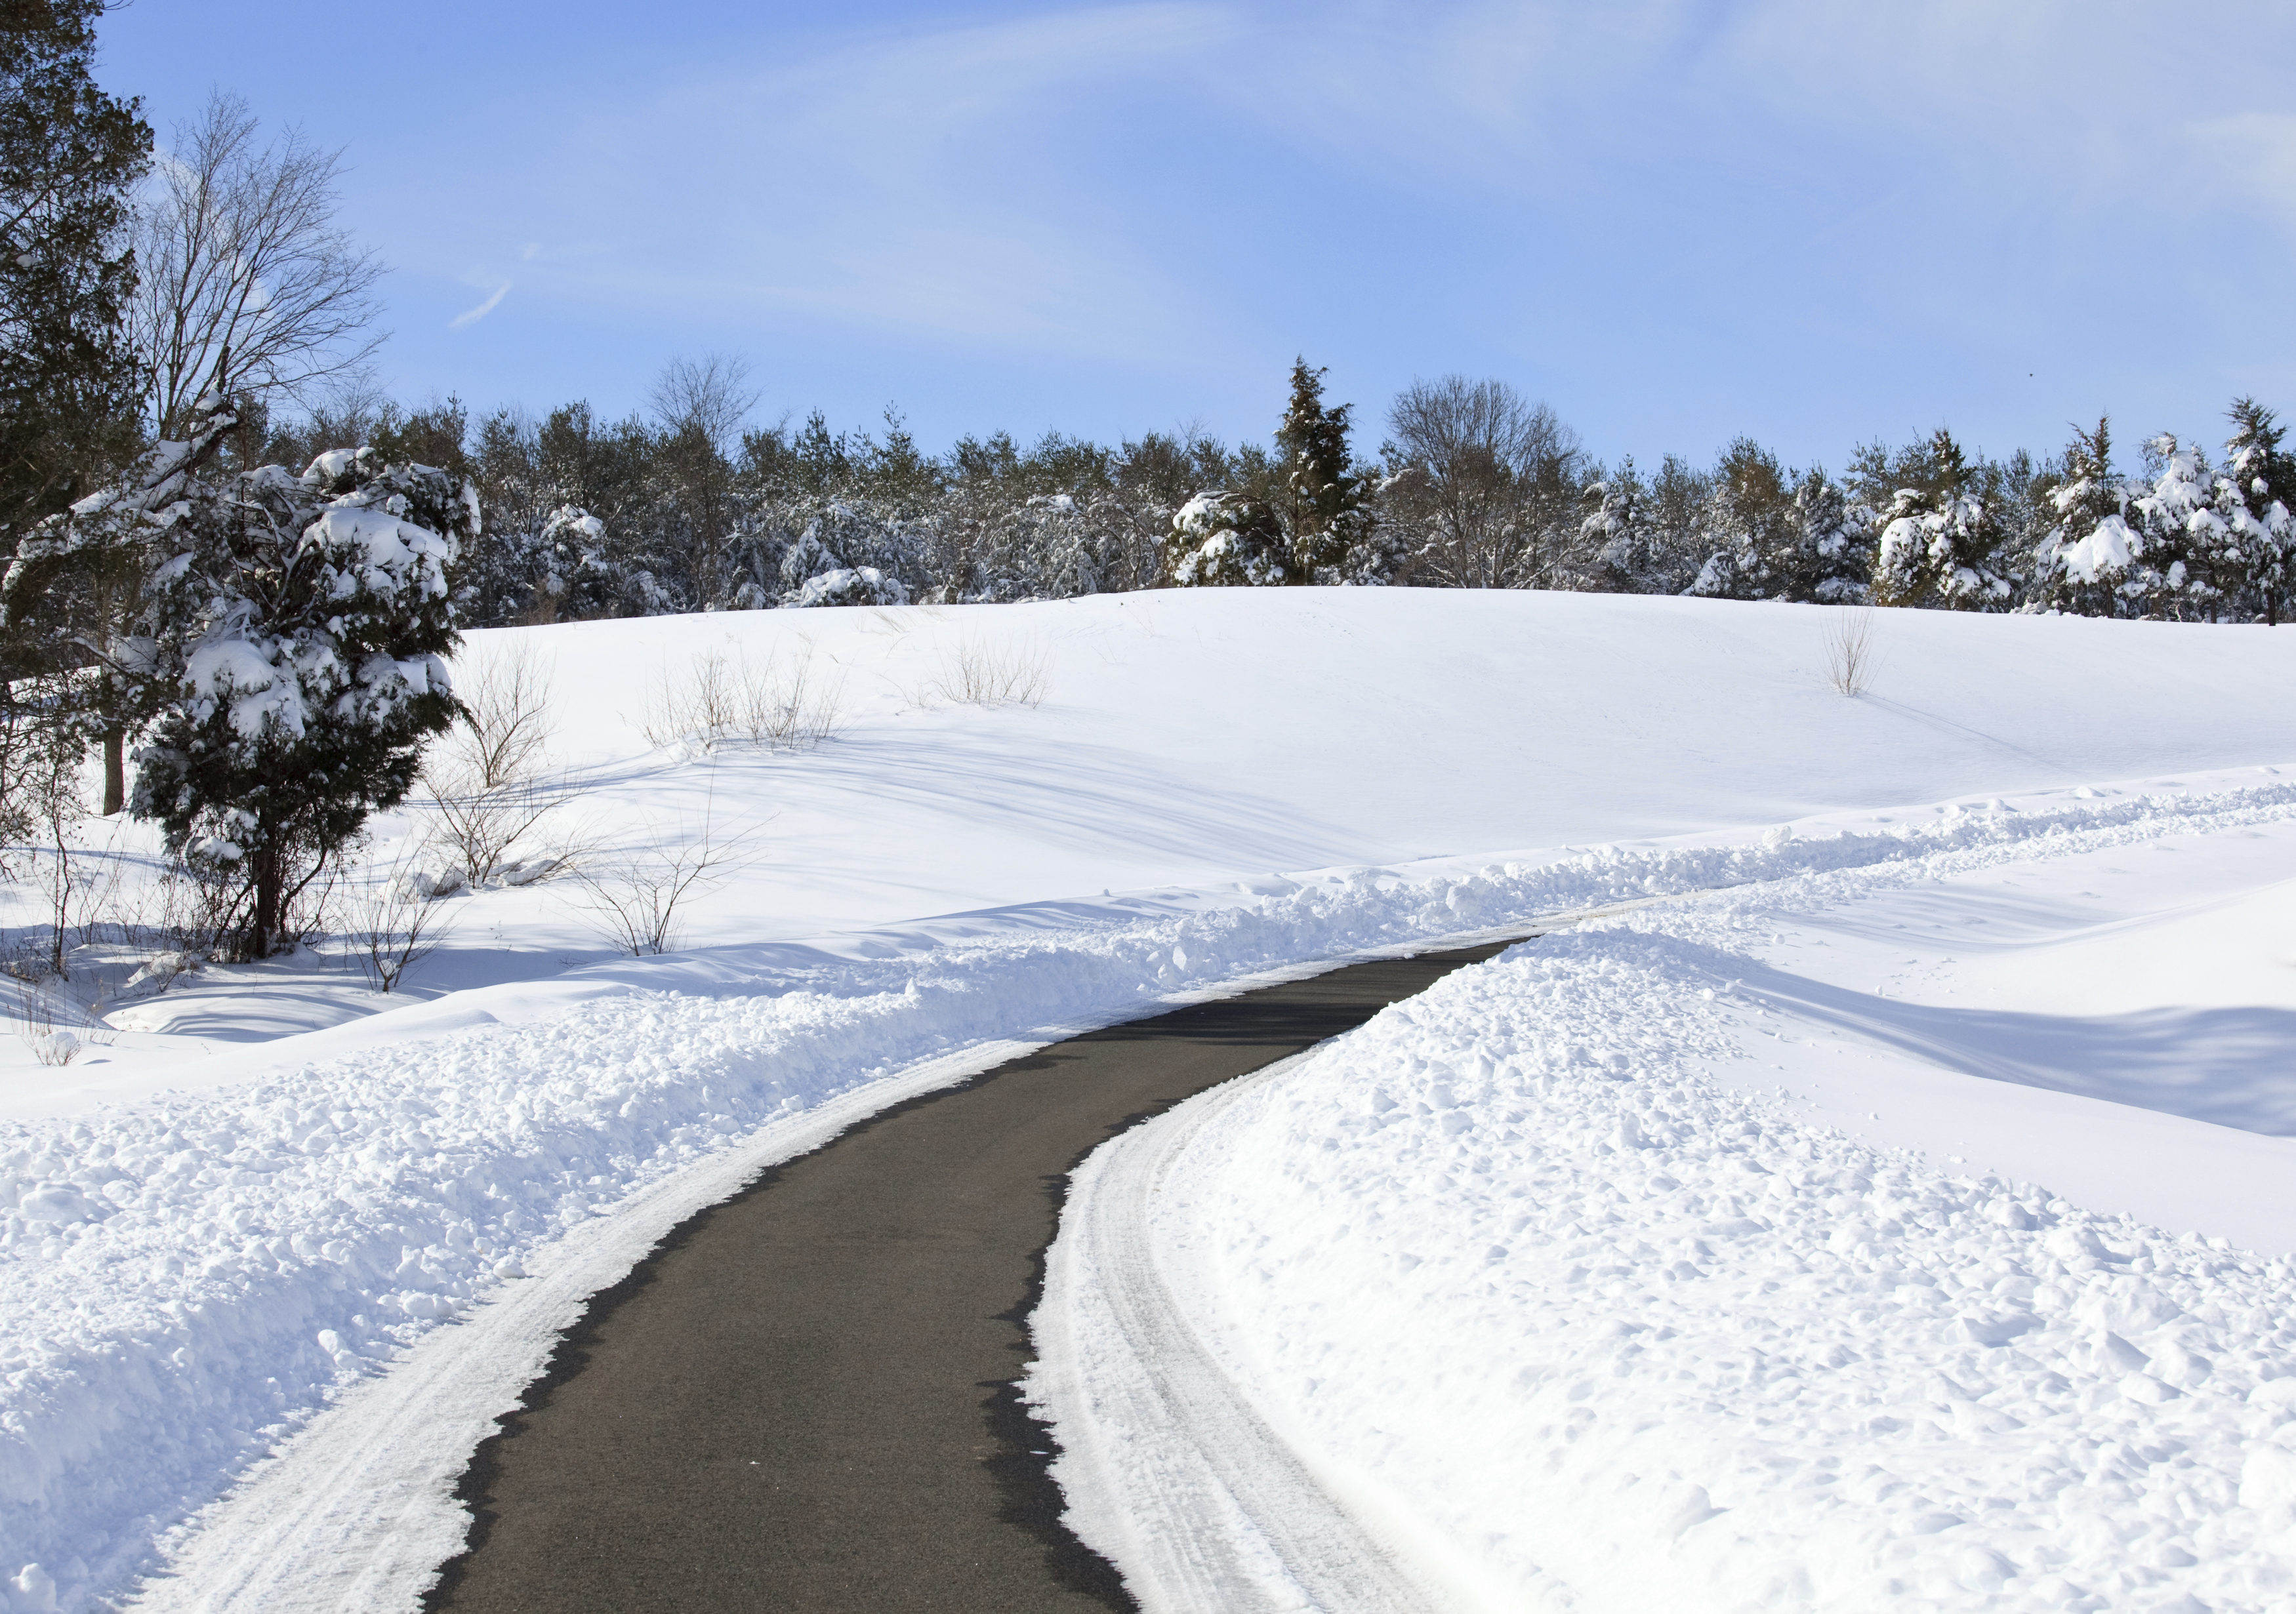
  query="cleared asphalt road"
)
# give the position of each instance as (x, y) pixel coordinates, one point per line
(804, 1400)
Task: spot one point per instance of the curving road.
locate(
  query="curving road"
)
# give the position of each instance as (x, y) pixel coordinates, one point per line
(803, 1401)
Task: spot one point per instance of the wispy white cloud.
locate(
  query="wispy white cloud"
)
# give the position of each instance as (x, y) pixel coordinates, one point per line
(471, 316)
(1787, 189)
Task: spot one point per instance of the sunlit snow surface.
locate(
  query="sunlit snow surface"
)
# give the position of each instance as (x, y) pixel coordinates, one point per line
(1835, 1243)
(264, 1189)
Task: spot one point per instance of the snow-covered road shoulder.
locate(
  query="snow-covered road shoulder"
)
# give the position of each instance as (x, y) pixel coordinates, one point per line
(1166, 1466)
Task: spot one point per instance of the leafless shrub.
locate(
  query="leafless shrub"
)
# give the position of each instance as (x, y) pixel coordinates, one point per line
(634, 901)
(980, 675)
(489, 776)
(37, 1004)
(791, 713)
(720, 700)
(700, 708)
(393, 924)
(506, 726)
(1849, 655)
(480, 828)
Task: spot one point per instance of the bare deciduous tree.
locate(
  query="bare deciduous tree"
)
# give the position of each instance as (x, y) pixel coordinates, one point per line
(1490, 479)
(699, 405)
(240, 262)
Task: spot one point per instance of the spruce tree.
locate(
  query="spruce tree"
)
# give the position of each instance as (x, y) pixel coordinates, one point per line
(1326, 499)
(2191, 568)
(1941, 542)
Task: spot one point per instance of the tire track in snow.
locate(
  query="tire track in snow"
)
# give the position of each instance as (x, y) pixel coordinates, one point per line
(1168, 1467)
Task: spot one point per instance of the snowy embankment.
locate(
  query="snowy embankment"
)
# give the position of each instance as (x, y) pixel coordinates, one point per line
(205, 1252)
(1644, 1267)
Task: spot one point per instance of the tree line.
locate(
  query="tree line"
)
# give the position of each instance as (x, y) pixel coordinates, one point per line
(680, 508)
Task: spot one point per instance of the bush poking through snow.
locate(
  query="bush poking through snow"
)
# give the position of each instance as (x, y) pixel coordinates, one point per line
(633, 902)
(719, 701)
(491, 782)
(983, 675)
(394, 921)
(1849, 655)
(794, 713)
(50, 1044)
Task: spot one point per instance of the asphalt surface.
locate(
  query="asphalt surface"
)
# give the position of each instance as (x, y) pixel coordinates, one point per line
(804, 1400)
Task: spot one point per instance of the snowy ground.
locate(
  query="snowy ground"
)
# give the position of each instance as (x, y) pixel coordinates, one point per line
(1904, 1236)
(262, 1191)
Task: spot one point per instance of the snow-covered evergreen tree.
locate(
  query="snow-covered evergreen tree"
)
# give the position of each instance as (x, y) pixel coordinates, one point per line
(1223, 540)
(1326, 514)
(1940, 543)
(1618, 530)
(813, 573)
(76, 583)
(1752, 524)
(2261, 482)
(2191, 565)
(1832, 557)
(2084, 562)
(292, 651)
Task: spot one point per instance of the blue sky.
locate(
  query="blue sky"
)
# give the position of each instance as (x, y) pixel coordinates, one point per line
(1816, 223)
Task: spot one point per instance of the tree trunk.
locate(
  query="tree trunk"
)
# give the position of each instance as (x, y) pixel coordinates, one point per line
(263, 924)
(115, 769)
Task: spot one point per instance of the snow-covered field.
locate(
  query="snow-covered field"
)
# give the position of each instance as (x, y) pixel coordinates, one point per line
(1598, 1257)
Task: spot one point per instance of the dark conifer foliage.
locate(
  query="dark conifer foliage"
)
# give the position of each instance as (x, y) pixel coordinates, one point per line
(290, 667)
(69, 155)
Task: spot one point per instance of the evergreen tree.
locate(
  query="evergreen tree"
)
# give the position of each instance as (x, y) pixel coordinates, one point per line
(1326, 497)
(1752, 523)
(1614, 530)
(2261, 482)
(1941, 542)
(1832, 556)
(1221, 540)
(2083, 561)
(292, 664)
(69, 156)
(2190, 567)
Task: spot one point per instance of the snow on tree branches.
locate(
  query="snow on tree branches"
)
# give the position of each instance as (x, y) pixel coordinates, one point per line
(291, 657)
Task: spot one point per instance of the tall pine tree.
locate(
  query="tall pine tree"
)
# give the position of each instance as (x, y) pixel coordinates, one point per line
(1326, 497)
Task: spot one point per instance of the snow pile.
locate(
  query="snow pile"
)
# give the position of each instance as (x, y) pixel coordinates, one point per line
(186, 1278)
(1599, 1329)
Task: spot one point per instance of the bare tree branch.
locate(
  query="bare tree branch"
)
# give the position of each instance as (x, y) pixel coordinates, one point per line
(239, 255)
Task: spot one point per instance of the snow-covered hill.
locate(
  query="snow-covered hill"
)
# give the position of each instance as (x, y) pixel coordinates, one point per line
(218, 1226)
